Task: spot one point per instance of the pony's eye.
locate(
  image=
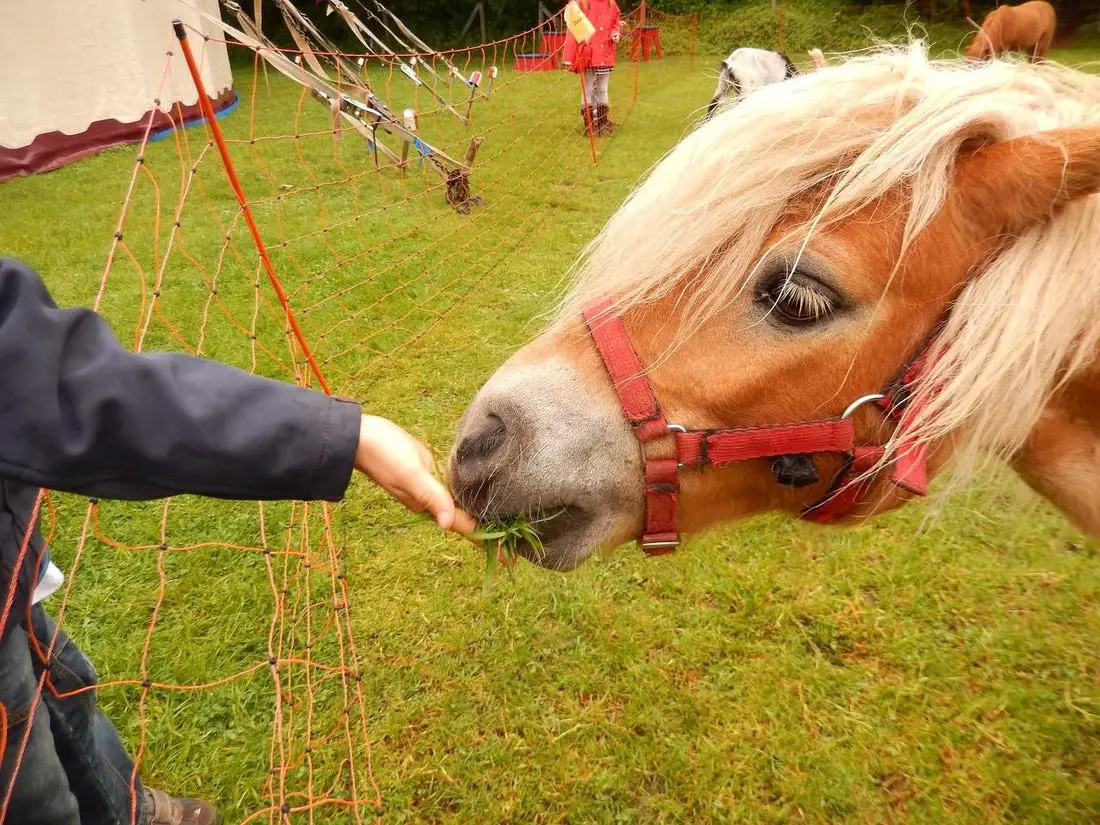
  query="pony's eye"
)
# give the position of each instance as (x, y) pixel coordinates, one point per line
(795, 300)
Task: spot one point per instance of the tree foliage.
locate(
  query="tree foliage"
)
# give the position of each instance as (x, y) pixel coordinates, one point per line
(445, 23)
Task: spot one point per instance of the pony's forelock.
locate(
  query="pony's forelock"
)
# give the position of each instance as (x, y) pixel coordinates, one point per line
(858, 130)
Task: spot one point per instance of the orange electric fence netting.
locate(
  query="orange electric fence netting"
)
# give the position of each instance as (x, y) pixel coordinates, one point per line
(366, 196)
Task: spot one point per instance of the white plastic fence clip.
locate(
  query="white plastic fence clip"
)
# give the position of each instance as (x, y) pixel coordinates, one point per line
(475, 79)
(489, 85)
(410, 125)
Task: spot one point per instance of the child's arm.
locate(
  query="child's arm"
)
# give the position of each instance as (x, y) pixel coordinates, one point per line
(569, 53)
(81, 413)
(616, 23)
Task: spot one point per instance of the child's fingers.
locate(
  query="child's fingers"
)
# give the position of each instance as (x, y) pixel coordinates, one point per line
(463, 522)
(434, 497)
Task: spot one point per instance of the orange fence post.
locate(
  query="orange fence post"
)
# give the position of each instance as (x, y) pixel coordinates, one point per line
(694, 26)
(637, 65)
(783, 27)
(636, 48)
(235, 184)
(588, 117)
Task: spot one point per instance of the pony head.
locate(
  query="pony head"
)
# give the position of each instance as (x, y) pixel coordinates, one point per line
(865, 199)
(981, 47)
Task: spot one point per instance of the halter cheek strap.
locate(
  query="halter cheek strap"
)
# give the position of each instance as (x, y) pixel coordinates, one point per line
(662, 475)
(697, 449)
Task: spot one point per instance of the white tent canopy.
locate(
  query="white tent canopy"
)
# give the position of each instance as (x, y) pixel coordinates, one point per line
(79, 77)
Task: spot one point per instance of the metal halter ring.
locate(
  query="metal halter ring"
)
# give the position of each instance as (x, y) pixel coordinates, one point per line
(859, 402)
(676, 428)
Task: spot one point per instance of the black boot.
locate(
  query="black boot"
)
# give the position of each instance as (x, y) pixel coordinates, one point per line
(603, 117)
(588, 119)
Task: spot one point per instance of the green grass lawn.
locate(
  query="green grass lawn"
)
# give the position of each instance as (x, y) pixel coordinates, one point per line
(940, 665)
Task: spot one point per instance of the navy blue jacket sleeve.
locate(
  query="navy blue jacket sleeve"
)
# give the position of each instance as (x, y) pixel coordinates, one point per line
(81, 413)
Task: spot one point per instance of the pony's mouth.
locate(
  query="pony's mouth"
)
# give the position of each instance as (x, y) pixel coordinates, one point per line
(562, 533)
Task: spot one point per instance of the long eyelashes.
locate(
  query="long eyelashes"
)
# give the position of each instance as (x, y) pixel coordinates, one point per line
(793, 302)
(803, 302)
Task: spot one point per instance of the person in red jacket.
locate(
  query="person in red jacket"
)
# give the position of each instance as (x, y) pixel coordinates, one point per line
(594, 60)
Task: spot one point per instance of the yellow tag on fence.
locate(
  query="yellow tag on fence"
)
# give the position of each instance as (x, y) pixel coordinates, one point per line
(578, 23)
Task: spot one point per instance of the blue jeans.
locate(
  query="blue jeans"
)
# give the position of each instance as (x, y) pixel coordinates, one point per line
(74, 769)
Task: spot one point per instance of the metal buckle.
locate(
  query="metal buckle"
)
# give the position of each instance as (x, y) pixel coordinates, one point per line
(677, 428)
(646, 546)
(859, 402)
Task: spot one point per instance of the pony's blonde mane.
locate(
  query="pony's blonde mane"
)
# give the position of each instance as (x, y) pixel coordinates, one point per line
(697, 225)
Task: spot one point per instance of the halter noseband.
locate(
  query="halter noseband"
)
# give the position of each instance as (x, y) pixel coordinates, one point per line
(697, 449)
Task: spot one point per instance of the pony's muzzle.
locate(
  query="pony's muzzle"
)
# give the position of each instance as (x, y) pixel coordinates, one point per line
(539, 441)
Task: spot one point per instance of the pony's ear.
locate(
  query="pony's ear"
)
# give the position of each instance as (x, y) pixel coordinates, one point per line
(1009, 186)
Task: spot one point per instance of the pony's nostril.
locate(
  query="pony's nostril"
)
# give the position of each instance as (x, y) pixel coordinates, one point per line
(482, 440)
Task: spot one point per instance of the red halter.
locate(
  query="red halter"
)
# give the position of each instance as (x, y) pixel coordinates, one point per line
(717, 448)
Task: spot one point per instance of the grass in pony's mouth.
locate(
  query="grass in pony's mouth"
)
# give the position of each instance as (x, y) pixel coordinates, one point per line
(503, 537)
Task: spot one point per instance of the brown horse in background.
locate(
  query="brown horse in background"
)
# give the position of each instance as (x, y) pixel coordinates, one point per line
(1028, 27)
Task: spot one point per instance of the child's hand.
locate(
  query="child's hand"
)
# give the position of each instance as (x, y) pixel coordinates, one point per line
(402, 466)
(615, 37)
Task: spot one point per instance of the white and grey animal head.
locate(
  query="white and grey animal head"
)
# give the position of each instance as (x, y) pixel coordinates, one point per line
(746, 70)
